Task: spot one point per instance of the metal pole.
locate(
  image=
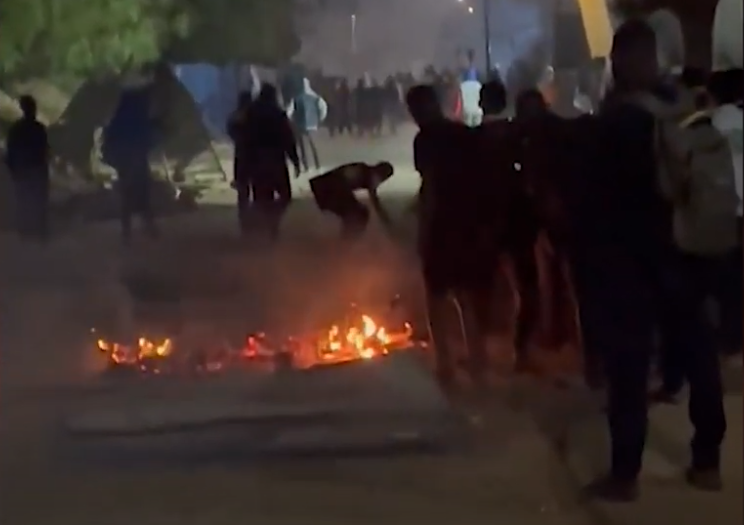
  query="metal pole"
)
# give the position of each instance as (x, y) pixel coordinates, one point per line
(487, 35)
(353, 34)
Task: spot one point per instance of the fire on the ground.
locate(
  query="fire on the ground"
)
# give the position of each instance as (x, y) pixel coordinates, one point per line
(360, 337)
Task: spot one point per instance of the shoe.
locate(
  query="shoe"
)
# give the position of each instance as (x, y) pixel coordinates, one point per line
(613, 489)
(708, 480)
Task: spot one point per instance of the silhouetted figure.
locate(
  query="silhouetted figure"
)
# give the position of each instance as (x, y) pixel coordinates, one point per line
(451, 235)
(27, 158)
(342, 109)
(630, 264)
(266, 142)
(127, 141)
(241, 181)
(514, 225)
(334, 193)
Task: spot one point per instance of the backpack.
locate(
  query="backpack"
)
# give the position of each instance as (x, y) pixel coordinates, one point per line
(696, 176)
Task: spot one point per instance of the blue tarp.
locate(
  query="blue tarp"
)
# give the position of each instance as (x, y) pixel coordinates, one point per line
(215, 91)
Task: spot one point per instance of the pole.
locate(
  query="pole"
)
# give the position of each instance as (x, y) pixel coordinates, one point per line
(487, 35)
(353, 34)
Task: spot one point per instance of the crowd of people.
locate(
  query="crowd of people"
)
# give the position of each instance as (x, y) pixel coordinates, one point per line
(641, 198)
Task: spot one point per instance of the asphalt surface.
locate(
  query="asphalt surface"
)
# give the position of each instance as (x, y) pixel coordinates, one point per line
(525, 449)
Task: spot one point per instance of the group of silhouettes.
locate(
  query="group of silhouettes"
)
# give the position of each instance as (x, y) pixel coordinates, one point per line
(648, 241)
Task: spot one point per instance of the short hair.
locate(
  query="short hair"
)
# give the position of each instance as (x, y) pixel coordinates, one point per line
(27, 104)
(493, 94)
(631, 34)
(421, 95)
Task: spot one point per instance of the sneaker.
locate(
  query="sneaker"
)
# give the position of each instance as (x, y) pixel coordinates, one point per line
(708, 480)
(613, 489)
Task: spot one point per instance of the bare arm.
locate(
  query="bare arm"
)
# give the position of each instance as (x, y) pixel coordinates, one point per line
(374, 201)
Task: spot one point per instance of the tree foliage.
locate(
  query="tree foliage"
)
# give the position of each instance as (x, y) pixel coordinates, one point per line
(83, 37)
(223, 31)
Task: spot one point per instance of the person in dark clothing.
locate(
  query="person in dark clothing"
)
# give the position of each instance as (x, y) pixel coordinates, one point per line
(342, 109)
(393, 103)
(452, 240)
(27, 157)
(236, 127)
(334, 192)
(628, 265)
(514, 225)
(127, 141)
(265, 144)
(549, 157)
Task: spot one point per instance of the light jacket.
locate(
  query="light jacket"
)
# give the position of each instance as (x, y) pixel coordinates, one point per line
(308, 110)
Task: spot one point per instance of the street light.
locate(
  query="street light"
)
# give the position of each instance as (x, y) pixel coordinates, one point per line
(353, 33)
(486, 30)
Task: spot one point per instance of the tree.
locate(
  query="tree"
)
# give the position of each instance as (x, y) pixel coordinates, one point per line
(83, 37)
(225, 31)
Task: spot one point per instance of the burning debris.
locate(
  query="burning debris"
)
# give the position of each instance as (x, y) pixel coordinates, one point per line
(358, 337)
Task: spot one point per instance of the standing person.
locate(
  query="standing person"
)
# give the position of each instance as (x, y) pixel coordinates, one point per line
(307, 111)
(393, 103)
(515, 225)
(334, 192)
(455, 267)
(27, 157)
(345, 109)
(470, 88)
(267, 142)
(632, 258)
(236, 128)
(127, 141)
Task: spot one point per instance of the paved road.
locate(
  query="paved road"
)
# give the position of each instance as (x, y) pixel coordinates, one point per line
(531, 445)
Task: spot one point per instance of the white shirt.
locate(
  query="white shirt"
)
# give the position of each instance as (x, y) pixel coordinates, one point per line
(728, 120)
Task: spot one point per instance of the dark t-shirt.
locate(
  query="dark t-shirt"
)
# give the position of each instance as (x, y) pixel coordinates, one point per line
(334, 190)
(451, 232)
(27, 147)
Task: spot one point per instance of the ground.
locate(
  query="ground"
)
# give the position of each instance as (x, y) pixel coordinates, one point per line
(527, 447)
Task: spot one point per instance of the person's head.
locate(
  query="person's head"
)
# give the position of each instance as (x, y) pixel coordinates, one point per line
(382, 171)
(268, 94)
(28, 106)
(423, 104)
(634, 57)
(244, 99)
(531, 104)
(727, 87)
(493, 97)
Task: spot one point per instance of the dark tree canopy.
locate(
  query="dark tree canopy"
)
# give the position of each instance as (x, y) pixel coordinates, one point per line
(84, 37)
(223, 31)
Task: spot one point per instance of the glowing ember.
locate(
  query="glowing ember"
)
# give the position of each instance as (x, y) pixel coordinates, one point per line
(358, 338)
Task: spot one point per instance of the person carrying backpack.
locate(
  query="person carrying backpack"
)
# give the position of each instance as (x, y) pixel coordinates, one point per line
(307, 111)
(662, 212)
